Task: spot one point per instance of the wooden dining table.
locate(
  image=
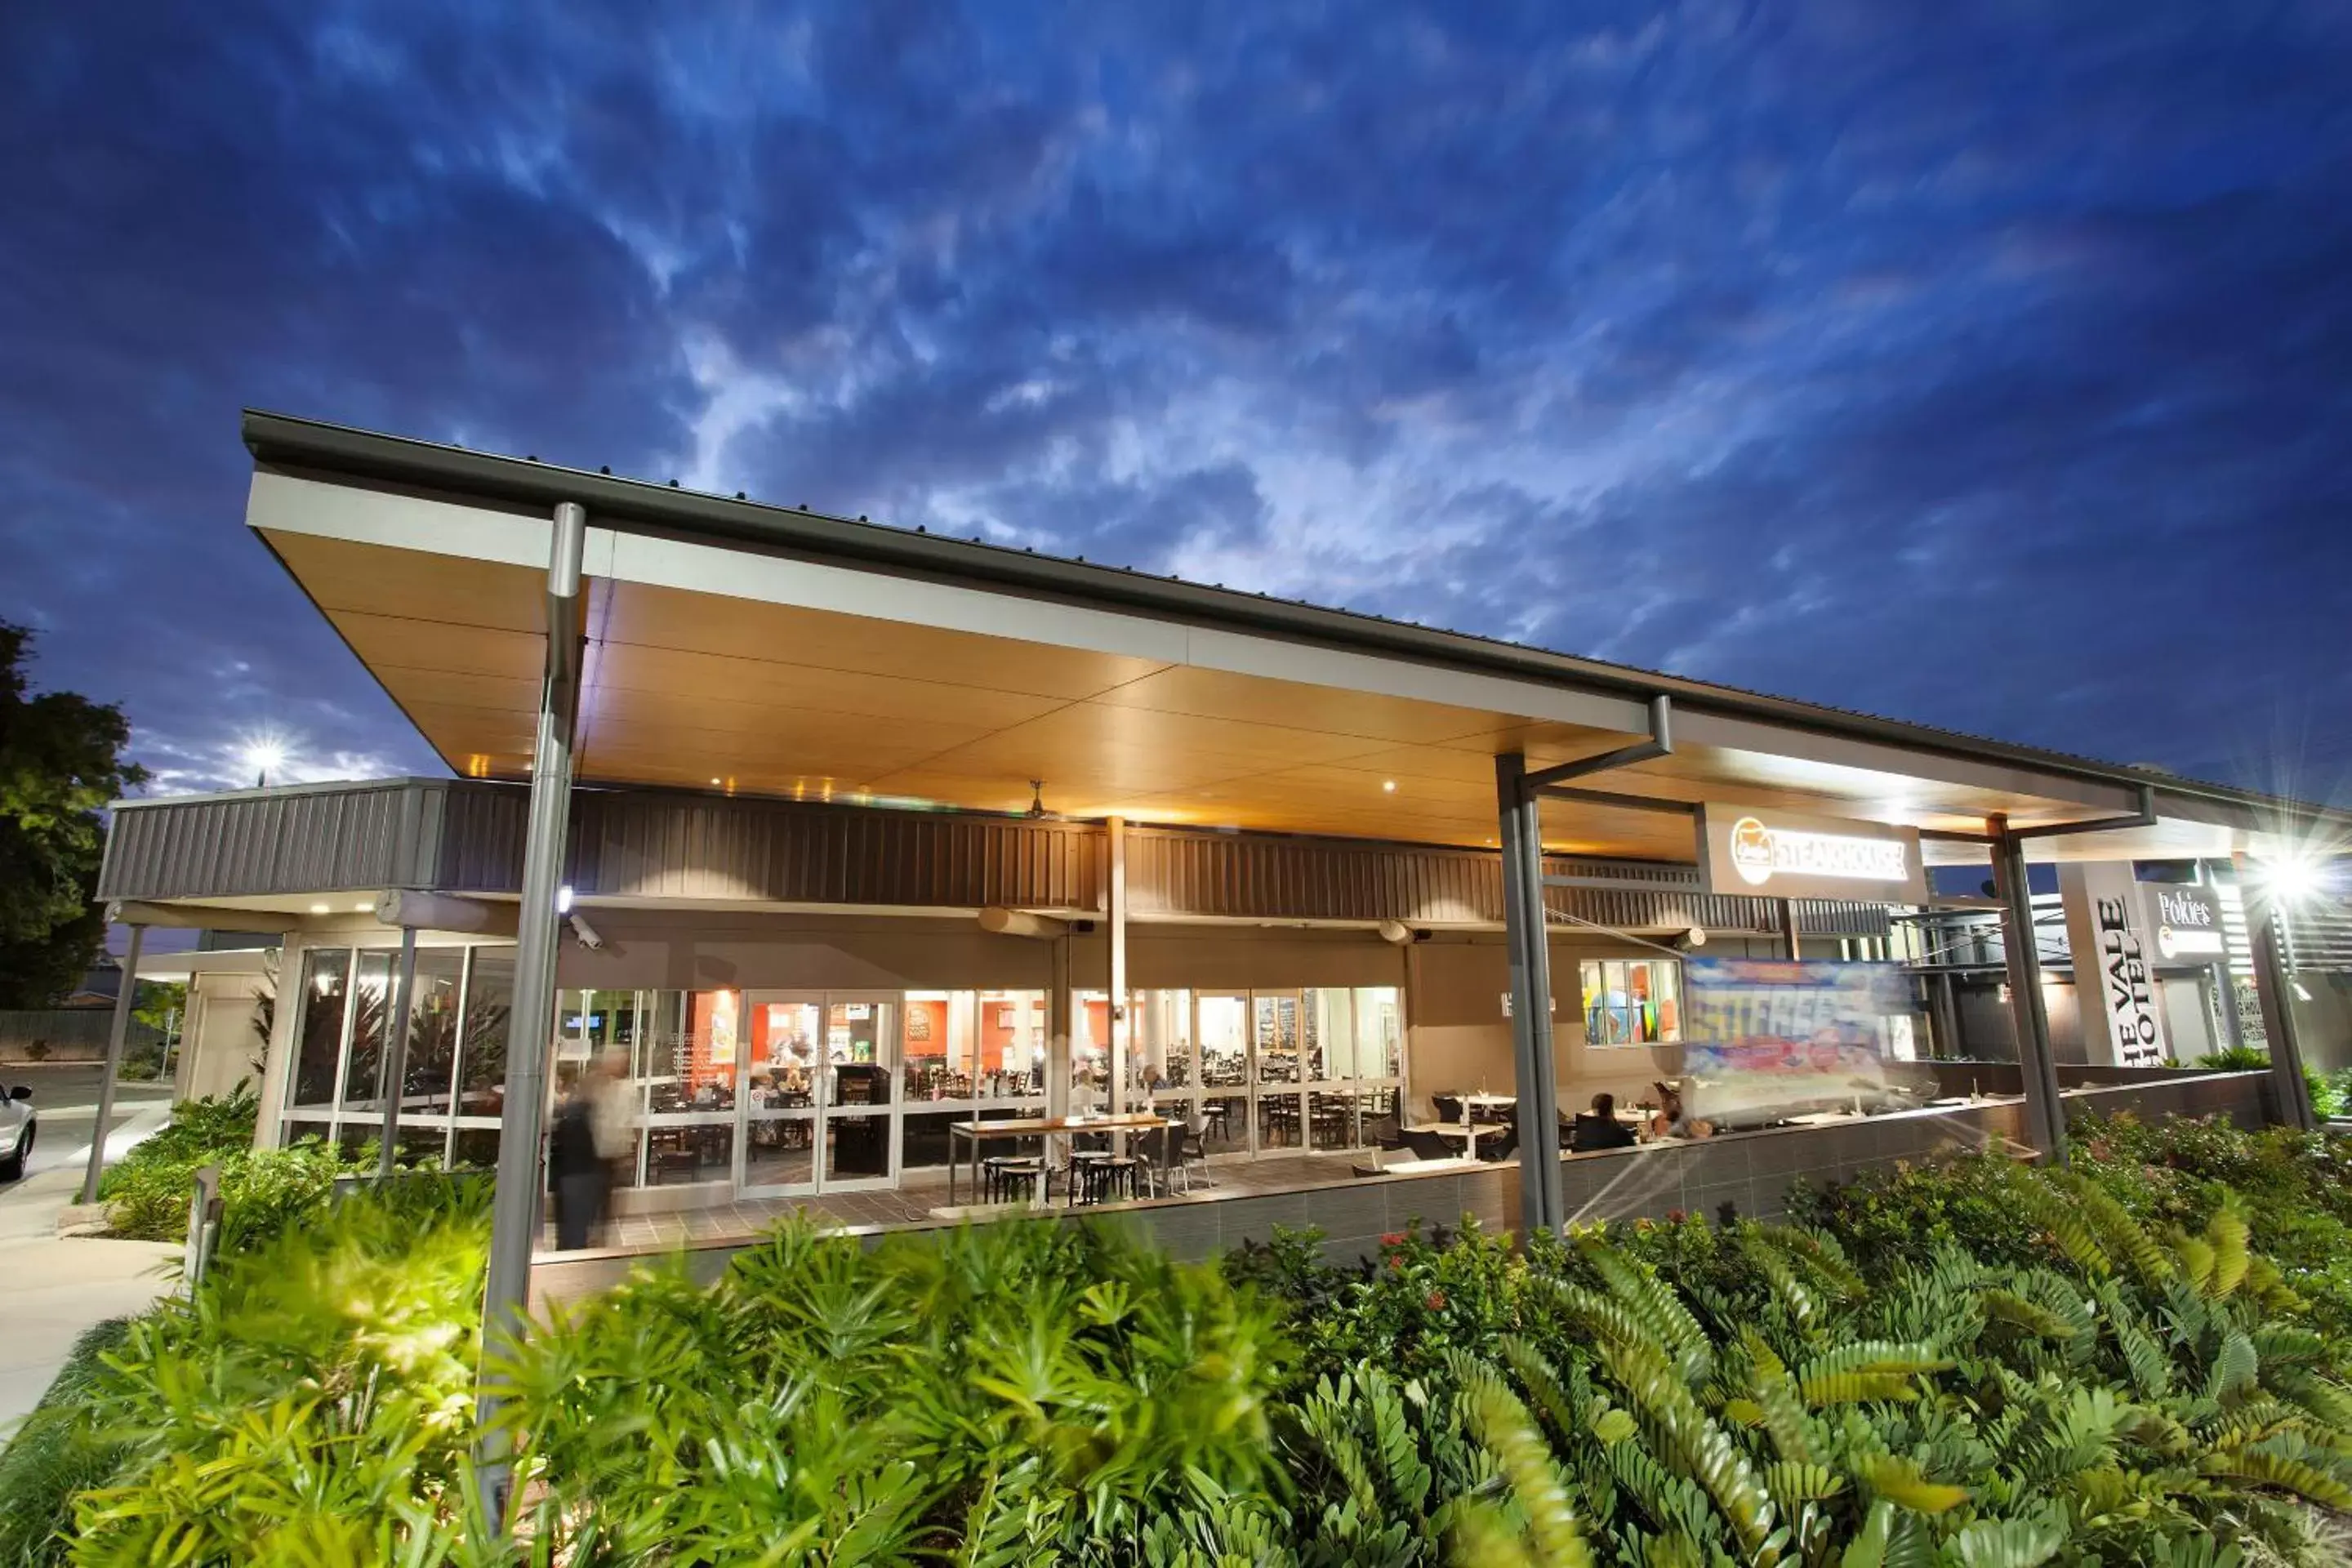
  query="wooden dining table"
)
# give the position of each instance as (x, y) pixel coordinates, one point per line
(978, 1132)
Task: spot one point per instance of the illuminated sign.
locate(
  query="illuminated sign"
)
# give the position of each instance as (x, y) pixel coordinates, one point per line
(2188, 921)
(2115, 980)
(1780, 854)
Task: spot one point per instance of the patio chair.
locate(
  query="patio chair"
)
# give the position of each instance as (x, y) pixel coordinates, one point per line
(1431, 1145)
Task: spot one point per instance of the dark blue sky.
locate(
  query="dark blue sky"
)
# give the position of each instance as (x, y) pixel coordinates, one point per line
(1989, 365)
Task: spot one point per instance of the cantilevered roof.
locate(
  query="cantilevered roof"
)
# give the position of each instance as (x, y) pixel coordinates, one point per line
(760, 649)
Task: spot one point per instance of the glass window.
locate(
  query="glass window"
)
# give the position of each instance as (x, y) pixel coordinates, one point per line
(326, 978)
(1224, 1041)
(363, 1071)
(1636, 1002)
(1275, 1016)
(1160, 1039)
(433, 1031)
(1330, 1035)
(937, 1058)
(1011, 1038)
(482, 1045)
(1379, 1032)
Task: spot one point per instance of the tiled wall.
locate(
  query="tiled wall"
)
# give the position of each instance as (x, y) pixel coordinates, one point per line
(1751, 1170)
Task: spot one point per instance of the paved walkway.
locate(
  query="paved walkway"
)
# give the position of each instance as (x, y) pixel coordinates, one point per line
(59, 1286)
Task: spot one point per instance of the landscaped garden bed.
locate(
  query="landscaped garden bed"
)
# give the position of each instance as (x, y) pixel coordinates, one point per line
(1973, 1364)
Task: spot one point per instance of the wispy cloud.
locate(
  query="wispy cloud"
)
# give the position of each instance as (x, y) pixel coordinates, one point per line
(1986, 368)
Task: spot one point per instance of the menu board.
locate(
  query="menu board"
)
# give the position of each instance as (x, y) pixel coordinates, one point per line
(1763, 1034)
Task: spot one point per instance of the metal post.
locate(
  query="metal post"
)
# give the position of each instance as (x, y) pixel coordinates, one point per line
(1948, 1017)
(1116, 829)
(395, 1050)
(1529, 944)
(2045, 1113)
(531, 1028)
(122, 1003)
(2274, 991)
(1789, 937)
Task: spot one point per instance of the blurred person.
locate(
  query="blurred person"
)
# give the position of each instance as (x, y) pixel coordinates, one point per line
(1674, 1118)
(1598, 1127)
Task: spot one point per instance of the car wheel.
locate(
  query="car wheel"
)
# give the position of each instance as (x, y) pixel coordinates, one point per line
(13, 1167)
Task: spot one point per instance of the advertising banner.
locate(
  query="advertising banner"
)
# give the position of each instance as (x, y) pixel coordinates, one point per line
(1762, 853)
(2109, 935)
(1764, 1034)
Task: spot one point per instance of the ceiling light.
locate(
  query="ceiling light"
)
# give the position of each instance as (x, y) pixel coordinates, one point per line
(317, 909)
(362, 909)
(714, 780)
(1388, 786)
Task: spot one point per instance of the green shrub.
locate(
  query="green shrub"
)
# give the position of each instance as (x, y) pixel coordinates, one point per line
(263, 1191)
(56, 1454)
(1978, 1365)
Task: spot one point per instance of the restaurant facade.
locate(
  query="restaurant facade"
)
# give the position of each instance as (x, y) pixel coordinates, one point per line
(838, 835)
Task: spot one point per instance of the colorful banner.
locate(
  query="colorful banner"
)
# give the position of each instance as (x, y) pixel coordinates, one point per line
(1766, 1035)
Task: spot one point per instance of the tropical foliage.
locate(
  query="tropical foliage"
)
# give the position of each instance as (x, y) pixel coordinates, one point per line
(263, 1191)
(2050, 1372)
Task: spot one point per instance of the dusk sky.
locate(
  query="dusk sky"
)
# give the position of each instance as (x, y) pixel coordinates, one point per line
(1985, 366)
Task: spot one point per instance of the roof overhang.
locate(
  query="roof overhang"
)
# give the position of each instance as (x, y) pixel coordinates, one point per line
(763, 650)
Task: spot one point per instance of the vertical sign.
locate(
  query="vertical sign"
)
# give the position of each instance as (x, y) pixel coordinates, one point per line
(2115, 950)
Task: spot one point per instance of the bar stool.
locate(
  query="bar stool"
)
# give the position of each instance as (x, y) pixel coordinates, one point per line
(1113, 1176)
(1075, 1173)
(1010, 1178)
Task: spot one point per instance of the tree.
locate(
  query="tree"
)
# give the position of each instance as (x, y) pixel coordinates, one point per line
(60, 761)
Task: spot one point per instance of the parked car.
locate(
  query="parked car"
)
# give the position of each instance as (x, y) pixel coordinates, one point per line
(16, 1128)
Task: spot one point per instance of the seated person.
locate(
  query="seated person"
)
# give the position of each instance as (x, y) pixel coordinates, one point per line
(1673, 1118)
(1599, 1129)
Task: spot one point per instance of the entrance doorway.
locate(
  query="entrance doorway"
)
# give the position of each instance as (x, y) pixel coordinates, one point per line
(818, 1102)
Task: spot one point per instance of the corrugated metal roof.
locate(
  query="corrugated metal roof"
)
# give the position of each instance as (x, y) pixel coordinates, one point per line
(617, 501)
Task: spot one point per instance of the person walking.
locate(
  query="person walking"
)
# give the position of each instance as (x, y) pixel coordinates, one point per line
(575, 1173)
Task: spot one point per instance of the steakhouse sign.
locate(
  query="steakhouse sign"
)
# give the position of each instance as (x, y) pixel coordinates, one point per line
(1779, 855)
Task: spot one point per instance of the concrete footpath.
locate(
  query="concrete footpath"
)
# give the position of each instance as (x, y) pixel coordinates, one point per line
(56, 1286)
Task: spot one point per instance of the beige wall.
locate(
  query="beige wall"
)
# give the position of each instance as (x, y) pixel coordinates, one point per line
(1461, 1041)
(699, 951)
(217, 1045)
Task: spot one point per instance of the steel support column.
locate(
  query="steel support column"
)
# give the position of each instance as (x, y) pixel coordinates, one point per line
(125, 997)
(1116, 830)
(2275, 990)
(1789, 938)
(2045, 1113)
(1528, 941)
(531, 1025)
(395, 1051)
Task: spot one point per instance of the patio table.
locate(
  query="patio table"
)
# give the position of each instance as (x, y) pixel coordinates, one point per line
(978, 1132)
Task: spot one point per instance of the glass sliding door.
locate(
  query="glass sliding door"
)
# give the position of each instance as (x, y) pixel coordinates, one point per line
(819, 1107)
(858, 1093)
(783, 1045)
(1276, 1043)
(1221, 1029)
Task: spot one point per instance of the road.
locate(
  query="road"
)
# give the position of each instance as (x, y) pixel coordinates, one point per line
(66, 1097)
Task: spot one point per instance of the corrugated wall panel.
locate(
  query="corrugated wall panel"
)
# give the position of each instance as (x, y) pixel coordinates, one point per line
(466, 835)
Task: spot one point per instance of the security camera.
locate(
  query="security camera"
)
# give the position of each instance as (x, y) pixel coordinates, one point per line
(586, 933)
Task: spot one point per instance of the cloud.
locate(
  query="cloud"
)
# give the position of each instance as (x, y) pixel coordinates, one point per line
(1978, 367)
